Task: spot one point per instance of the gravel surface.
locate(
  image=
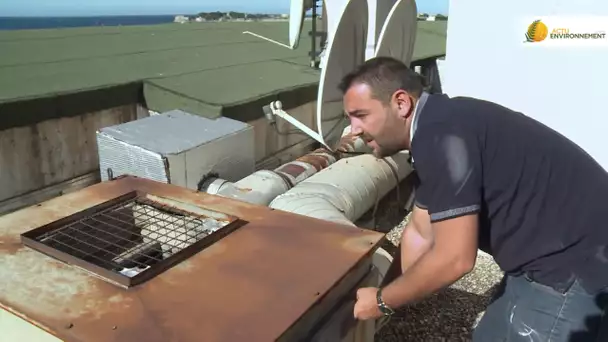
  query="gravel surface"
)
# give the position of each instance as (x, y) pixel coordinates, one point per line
(449, 315)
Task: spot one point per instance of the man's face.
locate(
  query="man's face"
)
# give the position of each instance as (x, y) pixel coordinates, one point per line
(383, 127)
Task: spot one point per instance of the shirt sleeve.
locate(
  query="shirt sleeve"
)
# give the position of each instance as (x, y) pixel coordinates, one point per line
(448, 163)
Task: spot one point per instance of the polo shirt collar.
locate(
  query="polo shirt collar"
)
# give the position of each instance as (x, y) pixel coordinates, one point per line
(417, 109)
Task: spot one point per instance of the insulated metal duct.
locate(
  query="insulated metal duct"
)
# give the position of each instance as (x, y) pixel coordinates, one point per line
(347, 189)
(263, 186)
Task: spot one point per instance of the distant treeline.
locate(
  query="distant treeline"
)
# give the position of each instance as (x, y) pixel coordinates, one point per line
(234, 15)
(438, 17)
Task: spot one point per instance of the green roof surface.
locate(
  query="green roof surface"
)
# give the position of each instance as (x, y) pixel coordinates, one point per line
(205, 66)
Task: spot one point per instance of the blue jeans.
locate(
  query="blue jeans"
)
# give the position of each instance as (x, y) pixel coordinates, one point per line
(524, 310)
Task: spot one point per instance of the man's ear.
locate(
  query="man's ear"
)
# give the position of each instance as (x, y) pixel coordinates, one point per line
(404, 104)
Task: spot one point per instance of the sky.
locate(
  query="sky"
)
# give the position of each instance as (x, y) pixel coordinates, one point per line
(145, 7)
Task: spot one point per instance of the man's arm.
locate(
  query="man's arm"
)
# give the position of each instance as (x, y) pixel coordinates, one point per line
(449, 164)
(416, 239)
(452, 255)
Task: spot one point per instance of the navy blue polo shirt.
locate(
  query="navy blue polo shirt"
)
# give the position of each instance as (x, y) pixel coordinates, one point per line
(542, 200)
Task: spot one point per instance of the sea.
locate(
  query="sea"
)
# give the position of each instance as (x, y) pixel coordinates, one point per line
(24, 23)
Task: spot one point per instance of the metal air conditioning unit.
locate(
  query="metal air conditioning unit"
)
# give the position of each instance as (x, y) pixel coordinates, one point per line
(177, 148)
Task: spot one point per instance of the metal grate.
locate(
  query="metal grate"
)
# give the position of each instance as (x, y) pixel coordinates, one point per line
(129, 239)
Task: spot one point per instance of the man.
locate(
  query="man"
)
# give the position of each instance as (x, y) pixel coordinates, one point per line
(493, 179)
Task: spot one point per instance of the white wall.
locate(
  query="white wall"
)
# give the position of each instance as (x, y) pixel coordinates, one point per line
(565, 87)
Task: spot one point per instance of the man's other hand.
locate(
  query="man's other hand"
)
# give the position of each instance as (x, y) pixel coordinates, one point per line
(366, 306)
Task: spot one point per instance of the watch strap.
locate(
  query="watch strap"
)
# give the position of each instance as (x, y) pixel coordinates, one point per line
(385, 309)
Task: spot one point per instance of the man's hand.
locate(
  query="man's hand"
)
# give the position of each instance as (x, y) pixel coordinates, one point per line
(366, 306)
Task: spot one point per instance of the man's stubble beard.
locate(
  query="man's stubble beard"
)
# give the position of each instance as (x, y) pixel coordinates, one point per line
(391, 146)
(383, 152)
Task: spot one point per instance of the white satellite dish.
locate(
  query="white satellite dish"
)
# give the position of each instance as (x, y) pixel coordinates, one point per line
(383, 9)
(378, 11)
(346, 22)
(346, 50)
(331, 11)
(297, 13)
(398, 34)
(377, 19)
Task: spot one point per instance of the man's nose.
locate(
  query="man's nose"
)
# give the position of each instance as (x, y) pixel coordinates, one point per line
(355, 129)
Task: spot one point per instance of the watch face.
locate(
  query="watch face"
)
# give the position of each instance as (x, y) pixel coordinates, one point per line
(385, 309)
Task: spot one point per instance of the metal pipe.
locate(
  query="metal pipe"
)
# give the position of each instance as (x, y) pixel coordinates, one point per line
(262, 186)
(325, 185)
(347, 189)
(258, 188)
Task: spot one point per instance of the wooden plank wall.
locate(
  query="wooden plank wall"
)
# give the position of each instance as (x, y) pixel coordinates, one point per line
(53, 152)
(53, 157)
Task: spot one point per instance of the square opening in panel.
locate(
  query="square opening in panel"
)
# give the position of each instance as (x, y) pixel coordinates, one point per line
(132, 238)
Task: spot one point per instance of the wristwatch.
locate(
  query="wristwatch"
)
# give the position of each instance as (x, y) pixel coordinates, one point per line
(385, 309)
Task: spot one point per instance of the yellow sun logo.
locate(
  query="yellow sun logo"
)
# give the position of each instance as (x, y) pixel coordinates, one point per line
(537, 32)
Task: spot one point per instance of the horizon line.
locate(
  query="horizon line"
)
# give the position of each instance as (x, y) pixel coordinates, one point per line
(158, 14)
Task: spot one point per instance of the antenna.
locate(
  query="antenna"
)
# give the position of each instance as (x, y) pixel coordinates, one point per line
(314, 33)
(398, 34)
(297, 12)
(267, 39)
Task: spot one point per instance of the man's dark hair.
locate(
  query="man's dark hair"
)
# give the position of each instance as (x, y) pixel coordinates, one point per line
(384, 75)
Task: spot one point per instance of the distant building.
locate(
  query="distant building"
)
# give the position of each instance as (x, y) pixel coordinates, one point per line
(181, 19)
(429, 17)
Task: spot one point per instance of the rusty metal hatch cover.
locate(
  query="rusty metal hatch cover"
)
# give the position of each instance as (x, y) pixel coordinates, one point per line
(131, 238)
